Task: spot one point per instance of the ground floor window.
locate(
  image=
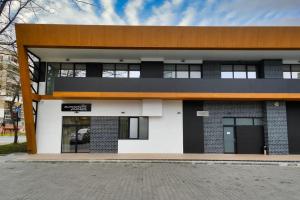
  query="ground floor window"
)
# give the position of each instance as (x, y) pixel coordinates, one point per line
(76, 135)
(133, 128)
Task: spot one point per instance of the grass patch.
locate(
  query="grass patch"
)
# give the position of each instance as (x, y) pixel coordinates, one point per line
(12, 134)
(13, 148)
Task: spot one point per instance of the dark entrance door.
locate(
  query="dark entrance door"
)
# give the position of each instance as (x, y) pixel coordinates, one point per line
(250, 139)
(193, 137)
(293, 122)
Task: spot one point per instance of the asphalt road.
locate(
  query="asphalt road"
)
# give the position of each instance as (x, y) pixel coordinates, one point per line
(143, 181)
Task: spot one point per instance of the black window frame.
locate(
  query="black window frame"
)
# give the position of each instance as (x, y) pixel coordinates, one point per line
(128, 129)
(246, 67)
(189, 70)
(115, 69)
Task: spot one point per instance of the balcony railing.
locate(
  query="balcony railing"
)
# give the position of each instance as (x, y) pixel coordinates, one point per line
(177, 85)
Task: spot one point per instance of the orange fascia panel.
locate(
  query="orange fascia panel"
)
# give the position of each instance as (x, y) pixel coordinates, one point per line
(157, 37)
(179, 96)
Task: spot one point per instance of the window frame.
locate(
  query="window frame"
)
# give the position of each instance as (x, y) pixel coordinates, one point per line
(233, 70)
(128, 128)
(235, 119)
(189, 70)
(128, 70)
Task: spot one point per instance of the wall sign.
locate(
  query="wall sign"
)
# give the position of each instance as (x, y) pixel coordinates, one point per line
(202, 113)
(76, 107)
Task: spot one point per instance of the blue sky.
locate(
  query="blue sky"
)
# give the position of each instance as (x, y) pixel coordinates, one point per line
(174, 12)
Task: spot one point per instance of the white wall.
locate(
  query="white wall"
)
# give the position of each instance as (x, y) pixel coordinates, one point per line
(165, 132)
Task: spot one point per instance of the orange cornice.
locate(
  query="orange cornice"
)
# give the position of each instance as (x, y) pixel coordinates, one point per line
(157, 37)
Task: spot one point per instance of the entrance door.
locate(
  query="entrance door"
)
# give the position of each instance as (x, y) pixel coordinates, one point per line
(250, 139)
(229, 140)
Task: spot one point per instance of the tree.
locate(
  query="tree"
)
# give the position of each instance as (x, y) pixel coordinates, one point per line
(12, 12)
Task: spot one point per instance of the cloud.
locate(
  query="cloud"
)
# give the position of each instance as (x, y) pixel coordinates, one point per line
(132, 11)
(169, 12)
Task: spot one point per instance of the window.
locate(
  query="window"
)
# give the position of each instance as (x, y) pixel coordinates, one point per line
(182, 71)
(63, 70)
(242, 121)
(291, 71)
(80, 70)
(238, 72)
(121, 70)
(133, 128)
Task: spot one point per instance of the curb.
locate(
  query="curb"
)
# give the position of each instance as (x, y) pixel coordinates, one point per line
(195, 162)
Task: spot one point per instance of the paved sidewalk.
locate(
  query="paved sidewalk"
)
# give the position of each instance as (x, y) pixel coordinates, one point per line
(146, 181)
(84, 157)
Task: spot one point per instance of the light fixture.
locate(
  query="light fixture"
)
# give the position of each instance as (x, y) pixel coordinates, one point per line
(183, 60)
(276, 104)
(67, 59)
(121, 60)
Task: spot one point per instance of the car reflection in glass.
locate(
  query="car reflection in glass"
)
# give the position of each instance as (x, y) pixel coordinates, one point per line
(83, 136)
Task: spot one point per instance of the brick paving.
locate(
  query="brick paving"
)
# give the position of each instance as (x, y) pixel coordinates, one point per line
(143, 181)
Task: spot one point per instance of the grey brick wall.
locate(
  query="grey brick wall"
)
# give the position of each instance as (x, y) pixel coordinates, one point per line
(104, 135)
(211, 70)
(276, 127)
(273, 68)
(213, 125)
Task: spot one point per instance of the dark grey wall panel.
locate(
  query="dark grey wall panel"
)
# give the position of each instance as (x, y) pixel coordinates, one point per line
(276, 127)
(152, 69)
(104, 135)
(273, 69)
(42, 71)
(293, 121)
(249, 139)
(177, 85)
(211, 70)
(94, 70)
(192, 127)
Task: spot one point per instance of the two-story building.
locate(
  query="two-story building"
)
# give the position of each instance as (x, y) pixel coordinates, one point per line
(156, 89)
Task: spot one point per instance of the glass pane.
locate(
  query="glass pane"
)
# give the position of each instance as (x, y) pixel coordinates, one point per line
(286, 68)
(251, 68)
(80, 70)
(109, 67)
(169, 68)
(195, 67)
(67, 70)
(239, 72)
(195, 74)
(83, 139)
(251, 75)
(143, 128)
(287, 75)
(226, 71)
(52, 72)
(182, 71)
(295, 71)
(123, 128)
(121, 71)
(69, 120)
(244, 121)
(69, 139)
(258, 121)
(228, 121)
(133, 128)
(134, 71)
(169, 74)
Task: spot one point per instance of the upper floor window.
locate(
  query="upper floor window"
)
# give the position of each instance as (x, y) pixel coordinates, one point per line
(120, 70)
(291, 71)
(238, 71)
(182, 71)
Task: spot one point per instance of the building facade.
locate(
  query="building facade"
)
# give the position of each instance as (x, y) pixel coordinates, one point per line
(137, 89)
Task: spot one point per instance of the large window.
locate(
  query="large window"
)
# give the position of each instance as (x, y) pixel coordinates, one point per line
(76, 135)
(182, 71)
(120, 70)
(291, 71)
(63, 70)
(133, 128)
(238, 72)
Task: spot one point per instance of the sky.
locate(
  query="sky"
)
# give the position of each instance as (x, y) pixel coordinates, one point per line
(171, 12)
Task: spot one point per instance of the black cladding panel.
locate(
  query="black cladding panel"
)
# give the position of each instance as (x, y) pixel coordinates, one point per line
(152, 69)
(293, 122)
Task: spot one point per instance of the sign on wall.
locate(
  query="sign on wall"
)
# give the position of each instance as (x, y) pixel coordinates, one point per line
(76, 107)
(202, 114)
